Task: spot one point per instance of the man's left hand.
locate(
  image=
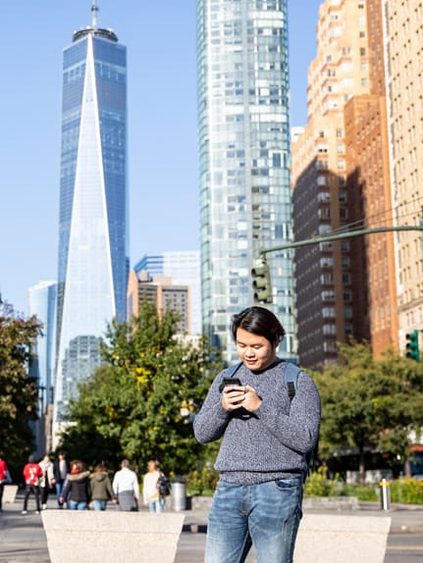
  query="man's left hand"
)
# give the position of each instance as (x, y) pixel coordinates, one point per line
(251, 401)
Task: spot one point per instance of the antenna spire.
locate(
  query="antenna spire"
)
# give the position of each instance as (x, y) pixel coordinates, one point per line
(94, 10)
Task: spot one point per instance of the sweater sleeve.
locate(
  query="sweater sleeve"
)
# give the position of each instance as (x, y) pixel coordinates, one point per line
(298, 430)
(210, 423)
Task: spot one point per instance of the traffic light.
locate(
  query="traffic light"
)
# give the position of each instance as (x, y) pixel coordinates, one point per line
(262, 285)
(412, 346)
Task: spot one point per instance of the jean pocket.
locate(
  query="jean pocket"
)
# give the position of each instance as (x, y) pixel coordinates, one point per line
(288, 484)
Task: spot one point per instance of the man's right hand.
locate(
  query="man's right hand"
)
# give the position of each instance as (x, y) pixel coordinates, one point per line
(232, 397)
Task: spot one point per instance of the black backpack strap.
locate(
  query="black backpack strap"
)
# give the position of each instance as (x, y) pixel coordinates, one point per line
(231, 371)
(290, 374)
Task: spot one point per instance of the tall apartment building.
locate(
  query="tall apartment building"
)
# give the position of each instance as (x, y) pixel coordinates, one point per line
(183, 267)
(323, 273)
(93, 257)
(244, 144)
(163, 294)
(404, 72)
(369, 187)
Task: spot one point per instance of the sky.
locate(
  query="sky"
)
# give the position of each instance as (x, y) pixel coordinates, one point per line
(162, 117)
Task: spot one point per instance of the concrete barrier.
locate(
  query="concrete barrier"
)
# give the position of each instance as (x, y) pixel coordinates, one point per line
(324, 538)
(110, 536)
(9, 494)
(331, 503)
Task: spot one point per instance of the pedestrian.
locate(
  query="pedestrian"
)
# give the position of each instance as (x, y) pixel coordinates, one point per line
(126, 488)
(47, 480)
(77, 490)
(266, 437)
(61, 469)
(152, 495)
(32, 474)
(4, 479)
(101, 488)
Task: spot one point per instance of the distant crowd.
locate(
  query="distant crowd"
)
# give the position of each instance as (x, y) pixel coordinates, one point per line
(76, 488)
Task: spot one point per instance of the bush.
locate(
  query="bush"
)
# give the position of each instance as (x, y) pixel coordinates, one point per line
(407, 491)
(202, 482)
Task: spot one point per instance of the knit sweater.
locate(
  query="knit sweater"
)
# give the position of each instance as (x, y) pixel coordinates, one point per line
(270, 443)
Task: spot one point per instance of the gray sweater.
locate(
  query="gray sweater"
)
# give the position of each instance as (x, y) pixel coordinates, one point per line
(269, 443)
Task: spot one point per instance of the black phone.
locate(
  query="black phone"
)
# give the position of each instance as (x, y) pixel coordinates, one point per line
(229, 381)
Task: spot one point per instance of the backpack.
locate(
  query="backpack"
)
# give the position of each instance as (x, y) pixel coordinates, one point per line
(291, 374)
(163, 485)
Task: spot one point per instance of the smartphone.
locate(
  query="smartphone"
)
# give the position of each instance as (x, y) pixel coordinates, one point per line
(229, 381)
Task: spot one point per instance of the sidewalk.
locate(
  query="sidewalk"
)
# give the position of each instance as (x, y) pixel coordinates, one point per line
(22, 538)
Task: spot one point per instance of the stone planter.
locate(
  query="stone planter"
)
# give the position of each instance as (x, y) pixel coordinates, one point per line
(324, 538)
(9, 493)
(110, 536)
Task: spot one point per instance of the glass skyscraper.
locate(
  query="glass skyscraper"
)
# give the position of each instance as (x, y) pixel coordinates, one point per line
(93, 257)
(244, 159)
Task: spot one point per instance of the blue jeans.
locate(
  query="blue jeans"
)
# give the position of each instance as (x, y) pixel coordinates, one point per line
(59, 489)
(77, 505)
(100, 504)
(267, 515)
(156, 505)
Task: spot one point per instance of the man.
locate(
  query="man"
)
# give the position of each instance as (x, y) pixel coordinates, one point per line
(126, 488)
(61, 469)
(32, 474)
(262, 458)
(4, 479)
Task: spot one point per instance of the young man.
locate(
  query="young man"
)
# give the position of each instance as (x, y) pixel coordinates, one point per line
(262, 458)
(32, 474)
(61, 469)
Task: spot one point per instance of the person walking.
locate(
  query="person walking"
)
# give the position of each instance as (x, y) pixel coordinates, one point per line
(32, 474)
(101, 488)
(4, 479)
(150, 489)
(77, 491)
(126, 488)
(47, 480)
(61, 469)
(267, 435)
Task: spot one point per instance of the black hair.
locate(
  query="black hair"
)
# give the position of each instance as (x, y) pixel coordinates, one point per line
(260, 321)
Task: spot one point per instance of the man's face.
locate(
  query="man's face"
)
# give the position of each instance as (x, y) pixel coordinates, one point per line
(256, 352)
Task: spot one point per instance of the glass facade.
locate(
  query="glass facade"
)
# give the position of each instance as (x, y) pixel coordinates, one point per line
(244, 142)
(93, 257)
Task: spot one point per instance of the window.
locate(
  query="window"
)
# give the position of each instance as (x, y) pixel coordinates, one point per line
(362, 51)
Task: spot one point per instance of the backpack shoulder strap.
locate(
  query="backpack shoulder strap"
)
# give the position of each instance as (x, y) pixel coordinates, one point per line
(231, 371)
(291, 373)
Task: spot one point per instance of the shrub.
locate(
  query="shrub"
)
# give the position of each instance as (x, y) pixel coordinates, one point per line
(202, 482)
(408, 491)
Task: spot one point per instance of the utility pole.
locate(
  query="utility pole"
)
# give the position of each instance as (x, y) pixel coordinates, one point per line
(261, 262)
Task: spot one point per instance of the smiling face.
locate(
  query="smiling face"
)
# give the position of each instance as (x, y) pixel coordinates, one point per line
(256, 352)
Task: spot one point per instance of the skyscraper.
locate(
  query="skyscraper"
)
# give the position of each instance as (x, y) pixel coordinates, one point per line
(42, 303)
(323, 272)
(183, 267)
(244, 159)
(93, 262)
(403, 26)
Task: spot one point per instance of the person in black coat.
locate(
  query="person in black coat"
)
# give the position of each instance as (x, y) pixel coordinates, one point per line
(77, 490)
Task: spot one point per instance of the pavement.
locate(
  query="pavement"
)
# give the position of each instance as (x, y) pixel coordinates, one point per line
(22, 537)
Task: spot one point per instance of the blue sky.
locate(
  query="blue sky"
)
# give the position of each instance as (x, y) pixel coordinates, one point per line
(160, 37)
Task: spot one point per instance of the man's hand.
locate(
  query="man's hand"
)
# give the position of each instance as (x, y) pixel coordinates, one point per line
(235, 396)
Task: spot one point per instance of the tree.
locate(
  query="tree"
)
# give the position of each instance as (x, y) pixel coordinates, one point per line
(18, 391)
(139, 404)
(370, 404)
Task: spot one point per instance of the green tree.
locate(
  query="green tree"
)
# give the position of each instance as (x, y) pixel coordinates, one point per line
(139, 404)
(18, 392)
(370, 403)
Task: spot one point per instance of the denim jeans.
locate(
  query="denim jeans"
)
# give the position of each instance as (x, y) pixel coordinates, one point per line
(267, 515)
(59, 489)
(156, 505)
(77, 505)
(99, 504)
